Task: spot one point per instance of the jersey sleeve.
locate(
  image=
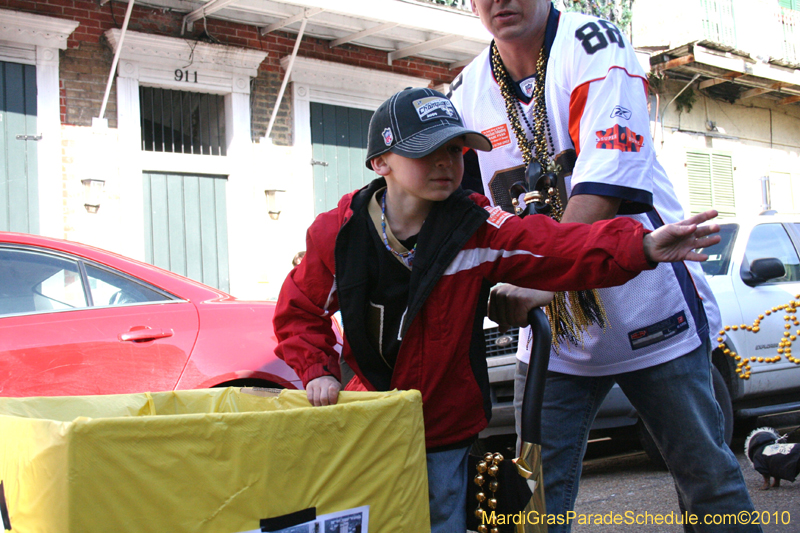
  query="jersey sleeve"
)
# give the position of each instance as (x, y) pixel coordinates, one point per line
(609, 122)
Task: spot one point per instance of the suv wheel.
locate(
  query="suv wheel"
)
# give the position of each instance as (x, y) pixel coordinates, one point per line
(723, 398)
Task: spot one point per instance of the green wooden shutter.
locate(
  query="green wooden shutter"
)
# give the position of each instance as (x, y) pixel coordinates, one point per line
(718, 22)
(710, 183)
(186, 229)
(722, 185)
(19, 181)
(339, 147)
(789, 21)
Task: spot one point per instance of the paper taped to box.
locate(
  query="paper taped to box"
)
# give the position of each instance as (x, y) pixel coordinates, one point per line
(211, 461)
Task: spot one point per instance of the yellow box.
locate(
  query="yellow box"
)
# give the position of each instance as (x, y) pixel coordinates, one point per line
(210, 461)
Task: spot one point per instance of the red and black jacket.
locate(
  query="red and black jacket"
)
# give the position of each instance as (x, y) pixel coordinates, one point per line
(465, 247)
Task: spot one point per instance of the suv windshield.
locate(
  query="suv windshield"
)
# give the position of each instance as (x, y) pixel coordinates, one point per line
(719, 255)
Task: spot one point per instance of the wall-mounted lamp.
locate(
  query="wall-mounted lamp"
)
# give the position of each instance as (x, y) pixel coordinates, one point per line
(92, 192)
(272, 203)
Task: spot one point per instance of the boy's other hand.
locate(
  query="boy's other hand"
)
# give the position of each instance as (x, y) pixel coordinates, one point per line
(678, 241)
(509, 305)
(323, 391)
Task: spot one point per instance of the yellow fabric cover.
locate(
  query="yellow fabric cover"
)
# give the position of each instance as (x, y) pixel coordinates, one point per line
(210, 461)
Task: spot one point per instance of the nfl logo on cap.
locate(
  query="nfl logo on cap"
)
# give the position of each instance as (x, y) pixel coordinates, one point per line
(387, 136)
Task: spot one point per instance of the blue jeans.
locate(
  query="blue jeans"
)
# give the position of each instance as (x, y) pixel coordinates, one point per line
(447, 490)
(675, 400)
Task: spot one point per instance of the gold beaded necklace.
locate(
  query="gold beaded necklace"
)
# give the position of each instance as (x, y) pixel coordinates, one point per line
(491, 466)
(743, 368)
(541, 126)
(570, 313)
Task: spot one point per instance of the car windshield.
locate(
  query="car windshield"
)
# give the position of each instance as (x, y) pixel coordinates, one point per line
(719, 255)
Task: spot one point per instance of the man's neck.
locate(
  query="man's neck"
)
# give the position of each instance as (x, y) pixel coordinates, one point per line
(520, 58)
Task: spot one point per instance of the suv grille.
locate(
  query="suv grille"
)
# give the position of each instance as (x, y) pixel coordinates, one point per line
(497, 344)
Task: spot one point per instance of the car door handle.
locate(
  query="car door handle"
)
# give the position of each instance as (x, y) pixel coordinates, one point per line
(146, 334)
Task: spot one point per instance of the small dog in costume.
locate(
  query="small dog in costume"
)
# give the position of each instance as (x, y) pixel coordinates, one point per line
(772, 456)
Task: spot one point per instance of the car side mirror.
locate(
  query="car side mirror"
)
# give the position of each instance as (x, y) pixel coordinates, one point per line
(763, 270)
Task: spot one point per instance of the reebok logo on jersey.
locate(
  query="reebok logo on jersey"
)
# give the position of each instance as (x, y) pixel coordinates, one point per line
(497, 216)
(619, 138)
(620, 111)
(434, 107)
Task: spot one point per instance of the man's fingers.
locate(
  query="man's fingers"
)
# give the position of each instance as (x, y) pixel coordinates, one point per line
(701, 217)
(682, 230)
(705, 242)
(694, 256)
(709, 229)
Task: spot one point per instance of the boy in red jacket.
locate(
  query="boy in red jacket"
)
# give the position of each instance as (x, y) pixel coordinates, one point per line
(409, 260)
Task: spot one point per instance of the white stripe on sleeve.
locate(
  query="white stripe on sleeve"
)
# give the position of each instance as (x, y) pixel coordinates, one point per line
(467, 259)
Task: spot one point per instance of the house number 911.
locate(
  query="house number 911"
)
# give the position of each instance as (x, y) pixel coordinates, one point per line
(185, 75)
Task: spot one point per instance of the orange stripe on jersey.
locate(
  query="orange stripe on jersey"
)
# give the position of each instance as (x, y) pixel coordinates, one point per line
(577, 104)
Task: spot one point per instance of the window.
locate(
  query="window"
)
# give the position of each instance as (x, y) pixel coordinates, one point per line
(33, 282)
(719, 255)
(784, 192)
(110, 288)
(182, 121)
(710, 183)
(771, 240)
(790, 4)
(718, 24)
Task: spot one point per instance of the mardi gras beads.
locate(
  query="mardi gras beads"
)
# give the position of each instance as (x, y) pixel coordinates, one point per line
(784, 349)
(489, 466)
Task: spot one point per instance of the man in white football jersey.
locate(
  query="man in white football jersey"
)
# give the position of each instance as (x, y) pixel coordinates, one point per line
(566, 91)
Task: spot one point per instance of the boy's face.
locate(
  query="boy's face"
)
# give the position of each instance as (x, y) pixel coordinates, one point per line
(433, 177)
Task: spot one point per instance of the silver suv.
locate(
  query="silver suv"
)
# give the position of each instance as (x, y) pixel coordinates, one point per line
(755, 268)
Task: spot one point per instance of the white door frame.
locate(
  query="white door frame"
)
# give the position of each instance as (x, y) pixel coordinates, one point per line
(330, 83)
(154, 61)
(35, 40)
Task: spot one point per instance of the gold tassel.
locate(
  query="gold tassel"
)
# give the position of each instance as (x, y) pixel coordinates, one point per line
(571, 313)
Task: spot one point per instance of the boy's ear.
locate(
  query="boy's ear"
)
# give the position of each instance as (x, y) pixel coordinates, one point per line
(380, 165)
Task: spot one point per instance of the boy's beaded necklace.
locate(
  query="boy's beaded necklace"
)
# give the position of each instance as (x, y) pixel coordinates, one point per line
(406, 257)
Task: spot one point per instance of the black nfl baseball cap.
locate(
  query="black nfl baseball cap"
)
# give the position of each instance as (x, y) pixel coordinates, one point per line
(415, 122)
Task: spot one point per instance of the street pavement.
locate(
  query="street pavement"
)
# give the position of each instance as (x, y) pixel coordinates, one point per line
(629, 483)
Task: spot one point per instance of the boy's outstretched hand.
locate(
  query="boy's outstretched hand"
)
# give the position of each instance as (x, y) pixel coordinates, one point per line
(678, 241)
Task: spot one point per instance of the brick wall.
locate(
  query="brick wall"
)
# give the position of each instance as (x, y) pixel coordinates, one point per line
(264, 92)
(85, 65)
(83, 72)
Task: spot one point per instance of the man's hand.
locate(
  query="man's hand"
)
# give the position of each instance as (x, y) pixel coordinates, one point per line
(509, 305)
(323, 391)
(677, 241)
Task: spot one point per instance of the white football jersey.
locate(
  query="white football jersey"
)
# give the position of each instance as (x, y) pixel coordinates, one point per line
(596, 94)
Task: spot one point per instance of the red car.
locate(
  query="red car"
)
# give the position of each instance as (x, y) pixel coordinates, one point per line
(77, 320)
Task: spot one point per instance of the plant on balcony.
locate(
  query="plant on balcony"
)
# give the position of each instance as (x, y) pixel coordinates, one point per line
(458, 4)
(616, 11)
